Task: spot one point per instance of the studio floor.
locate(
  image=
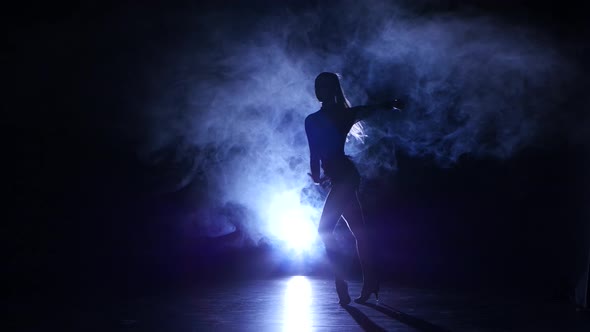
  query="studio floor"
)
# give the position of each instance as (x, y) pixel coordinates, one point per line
(301, 303)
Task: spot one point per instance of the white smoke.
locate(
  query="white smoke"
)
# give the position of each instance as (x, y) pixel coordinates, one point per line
(233, 97)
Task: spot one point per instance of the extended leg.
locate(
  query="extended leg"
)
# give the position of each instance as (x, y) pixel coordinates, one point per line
(353, 214)
(330, 215)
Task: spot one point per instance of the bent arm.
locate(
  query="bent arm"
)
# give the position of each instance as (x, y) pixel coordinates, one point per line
(314, 159)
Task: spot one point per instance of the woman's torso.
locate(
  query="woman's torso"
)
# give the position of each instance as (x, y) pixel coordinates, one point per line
(332, 124)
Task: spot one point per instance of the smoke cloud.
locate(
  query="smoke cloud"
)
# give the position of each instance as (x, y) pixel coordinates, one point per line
(230, 101)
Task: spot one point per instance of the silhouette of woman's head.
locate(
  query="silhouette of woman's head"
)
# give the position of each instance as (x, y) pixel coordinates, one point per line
(328, 89)
(329, 92)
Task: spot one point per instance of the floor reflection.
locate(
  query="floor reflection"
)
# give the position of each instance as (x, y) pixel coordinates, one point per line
(297, 305)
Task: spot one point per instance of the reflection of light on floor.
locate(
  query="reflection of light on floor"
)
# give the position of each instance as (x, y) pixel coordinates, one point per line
(297, 305)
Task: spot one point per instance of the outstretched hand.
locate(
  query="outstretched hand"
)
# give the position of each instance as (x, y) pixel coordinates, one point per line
(395, 105)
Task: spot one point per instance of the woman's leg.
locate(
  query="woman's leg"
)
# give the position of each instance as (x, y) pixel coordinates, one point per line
(333, 209)
(353, 214)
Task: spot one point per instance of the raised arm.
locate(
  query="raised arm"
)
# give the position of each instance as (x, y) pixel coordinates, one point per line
(314, 159)
(363, 112)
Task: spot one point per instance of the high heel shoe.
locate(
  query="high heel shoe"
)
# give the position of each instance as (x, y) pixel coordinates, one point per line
(366, 292)
(342, 290)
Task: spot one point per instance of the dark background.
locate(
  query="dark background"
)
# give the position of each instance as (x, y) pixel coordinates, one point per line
(83, 221)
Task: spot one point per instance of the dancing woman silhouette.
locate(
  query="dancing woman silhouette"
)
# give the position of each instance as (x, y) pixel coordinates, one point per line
(327, 131)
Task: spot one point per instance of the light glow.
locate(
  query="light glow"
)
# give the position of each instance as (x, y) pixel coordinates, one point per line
(292, 223)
